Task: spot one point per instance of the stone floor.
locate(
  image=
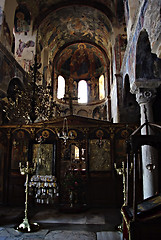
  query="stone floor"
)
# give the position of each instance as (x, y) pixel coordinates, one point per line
(92, 224)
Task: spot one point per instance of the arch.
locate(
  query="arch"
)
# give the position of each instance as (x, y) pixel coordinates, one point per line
(25, 130)
(14, 85)
(61, 87)
(130, 110)
(100, 132)
(47, 134)
(128, 97)
(101, 87)
(144, 58)
(82, 91)
(82, 113)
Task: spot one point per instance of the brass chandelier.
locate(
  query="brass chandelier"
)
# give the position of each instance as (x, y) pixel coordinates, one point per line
(31, 104)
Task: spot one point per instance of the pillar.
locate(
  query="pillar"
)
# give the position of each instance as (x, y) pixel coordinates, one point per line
(145, 94)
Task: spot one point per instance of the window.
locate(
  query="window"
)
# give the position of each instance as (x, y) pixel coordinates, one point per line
(101, 87)
(82, 91)
(61, 87)
(76, 152)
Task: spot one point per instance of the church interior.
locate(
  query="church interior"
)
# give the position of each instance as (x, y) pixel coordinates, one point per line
(80, 119)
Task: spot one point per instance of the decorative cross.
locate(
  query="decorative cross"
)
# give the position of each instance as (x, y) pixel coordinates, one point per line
(68, 97)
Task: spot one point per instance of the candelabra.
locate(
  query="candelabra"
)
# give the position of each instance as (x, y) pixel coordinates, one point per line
(31, 102)
(25, 226)
(64, 134)
(122, 171)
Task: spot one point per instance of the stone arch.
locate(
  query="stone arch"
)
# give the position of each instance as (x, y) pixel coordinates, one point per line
(130, 110)
(148, 65)
(144, 57)
(128, 97)
(82, 113)
(14, 85)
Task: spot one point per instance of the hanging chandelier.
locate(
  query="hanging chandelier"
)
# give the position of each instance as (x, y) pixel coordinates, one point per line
(32, 103)
(24, 109)
(64, 134)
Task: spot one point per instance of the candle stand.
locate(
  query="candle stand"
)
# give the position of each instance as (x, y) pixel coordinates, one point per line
(26, 226)
(123, 171)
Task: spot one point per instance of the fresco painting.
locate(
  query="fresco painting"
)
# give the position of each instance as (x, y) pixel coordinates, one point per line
(22, 20)
(78, 22)
(120, 46)
(81, 61)
(23, 45)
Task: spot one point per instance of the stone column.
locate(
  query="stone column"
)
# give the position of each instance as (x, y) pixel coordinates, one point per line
(149, 154)
(145, 94)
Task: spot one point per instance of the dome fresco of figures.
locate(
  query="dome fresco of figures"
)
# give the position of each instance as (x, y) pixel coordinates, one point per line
(62, 23)
(80, 61)
(75, 23)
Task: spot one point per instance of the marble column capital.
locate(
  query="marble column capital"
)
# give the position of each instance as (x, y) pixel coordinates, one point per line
(145, 89)
(145, 95)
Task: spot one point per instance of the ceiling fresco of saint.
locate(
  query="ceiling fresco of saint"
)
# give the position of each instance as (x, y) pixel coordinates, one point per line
(81, 61)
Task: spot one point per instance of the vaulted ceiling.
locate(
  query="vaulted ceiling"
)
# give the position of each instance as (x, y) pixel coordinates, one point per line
(65, 22)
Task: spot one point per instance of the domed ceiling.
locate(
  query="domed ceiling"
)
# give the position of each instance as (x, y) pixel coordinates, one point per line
(81, 61)
(75, 23)
(64, 22)
(41, 8)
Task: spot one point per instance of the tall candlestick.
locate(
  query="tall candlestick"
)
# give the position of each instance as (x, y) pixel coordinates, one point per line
(25, 226)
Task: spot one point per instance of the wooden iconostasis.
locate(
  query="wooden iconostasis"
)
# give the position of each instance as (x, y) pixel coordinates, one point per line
(90, 150)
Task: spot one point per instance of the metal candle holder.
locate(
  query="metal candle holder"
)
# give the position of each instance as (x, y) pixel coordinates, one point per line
(122, 171)
(25, 226)
(64, 133)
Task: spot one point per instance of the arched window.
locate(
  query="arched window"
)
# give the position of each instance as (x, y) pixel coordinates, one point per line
(61, 87)
(76, 152)
(82, 91)
(101, 87)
